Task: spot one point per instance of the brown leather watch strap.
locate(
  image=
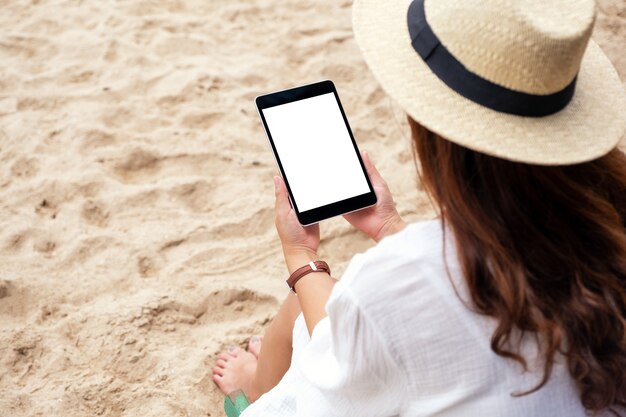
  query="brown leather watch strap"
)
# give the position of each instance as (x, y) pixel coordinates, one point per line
(313, 266)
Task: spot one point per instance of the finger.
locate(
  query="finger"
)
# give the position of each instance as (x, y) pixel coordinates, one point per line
(282, 206)
(371, 168)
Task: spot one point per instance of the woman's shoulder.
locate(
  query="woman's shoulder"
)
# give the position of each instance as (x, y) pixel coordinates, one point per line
(401, 262)
(417, 244)
(417, 240)
(401, 287)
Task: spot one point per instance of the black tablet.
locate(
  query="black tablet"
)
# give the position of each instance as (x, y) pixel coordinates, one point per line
(315, 151)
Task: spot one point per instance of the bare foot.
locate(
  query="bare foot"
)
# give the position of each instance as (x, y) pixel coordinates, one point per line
(254, 345)
(234, 369)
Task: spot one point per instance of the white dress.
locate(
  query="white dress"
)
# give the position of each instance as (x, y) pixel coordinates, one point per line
(398, 341)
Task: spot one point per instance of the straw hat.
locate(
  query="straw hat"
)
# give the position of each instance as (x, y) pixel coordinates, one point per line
(515, 79)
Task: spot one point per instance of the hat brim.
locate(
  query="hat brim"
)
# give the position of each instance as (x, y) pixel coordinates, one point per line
(590, 126)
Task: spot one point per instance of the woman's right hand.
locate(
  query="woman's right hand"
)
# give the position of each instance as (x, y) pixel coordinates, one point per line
(382, 219)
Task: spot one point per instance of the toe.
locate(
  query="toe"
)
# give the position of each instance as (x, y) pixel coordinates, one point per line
(237, 372)
(234, 351)
(218, 379)
(224, 356)
(223, 384)
(254, 345)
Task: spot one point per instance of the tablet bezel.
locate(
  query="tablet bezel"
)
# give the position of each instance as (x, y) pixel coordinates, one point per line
(338, 208)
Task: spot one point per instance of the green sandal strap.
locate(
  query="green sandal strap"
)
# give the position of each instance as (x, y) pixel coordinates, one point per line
(235, 403)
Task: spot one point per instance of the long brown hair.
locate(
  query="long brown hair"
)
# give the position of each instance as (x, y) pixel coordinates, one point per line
(543, 250)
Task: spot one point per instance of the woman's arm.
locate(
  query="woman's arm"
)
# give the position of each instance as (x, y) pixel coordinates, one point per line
(275, 356)
(300, 243)
(312, 289)
(299, 248)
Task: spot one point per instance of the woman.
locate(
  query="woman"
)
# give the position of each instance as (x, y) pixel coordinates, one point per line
(513, 302)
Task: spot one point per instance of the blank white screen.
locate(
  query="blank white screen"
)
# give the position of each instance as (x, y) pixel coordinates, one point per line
(316, 151)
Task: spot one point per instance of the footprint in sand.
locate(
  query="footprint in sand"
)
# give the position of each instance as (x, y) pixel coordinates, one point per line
(39, 104)
(6, 288)
(210, 84)
(87, 248)
(234, 304)
(44, 246)
(164, 315)
(138, 164)
(131, 359)
(117, 117)
(202, 120)
(95, 212)
(203, 261)
(148, 266)
(95, 138)
(51, 312)
(28, 47)
(195, 195)
(16, 240)
(253, 81)
(376, 97)
(25, 168)
(25, 350)
(345, 73)
(239, 306)
(252, 224)
(47, 208)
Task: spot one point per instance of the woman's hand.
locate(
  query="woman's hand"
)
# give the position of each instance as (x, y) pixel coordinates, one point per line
(300, 247)
(299, 243)
(381, 219)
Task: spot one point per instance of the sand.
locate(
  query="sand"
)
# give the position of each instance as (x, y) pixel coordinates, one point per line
(136, 220)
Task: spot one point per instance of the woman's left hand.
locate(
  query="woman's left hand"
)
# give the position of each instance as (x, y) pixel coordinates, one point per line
(300, 243)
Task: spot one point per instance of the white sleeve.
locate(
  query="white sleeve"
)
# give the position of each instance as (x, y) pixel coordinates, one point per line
(346, 367)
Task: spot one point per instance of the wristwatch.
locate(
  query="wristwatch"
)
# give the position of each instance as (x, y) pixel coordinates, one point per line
(313, 266)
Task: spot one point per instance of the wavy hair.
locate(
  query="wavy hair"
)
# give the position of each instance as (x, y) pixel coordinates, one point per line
(543, 250)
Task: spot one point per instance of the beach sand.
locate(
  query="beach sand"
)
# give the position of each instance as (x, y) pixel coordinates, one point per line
(136, 196)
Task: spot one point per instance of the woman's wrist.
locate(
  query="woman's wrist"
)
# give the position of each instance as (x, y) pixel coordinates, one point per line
(296, 257)
(390, 227)
(312, 289)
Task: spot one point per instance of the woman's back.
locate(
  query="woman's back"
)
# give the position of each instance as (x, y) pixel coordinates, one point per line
(442, 347)
(542, 250)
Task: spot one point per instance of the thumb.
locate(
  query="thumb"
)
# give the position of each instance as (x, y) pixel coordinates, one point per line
(371, 169)
(282, 199)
